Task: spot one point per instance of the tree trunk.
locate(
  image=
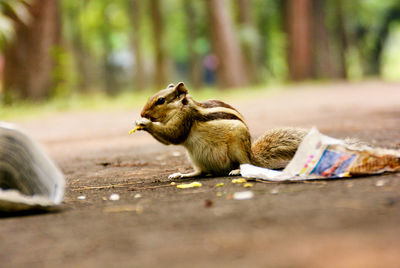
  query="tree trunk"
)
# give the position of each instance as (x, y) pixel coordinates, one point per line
(322, 65)
(374, 59)
(244, 14)
(28, 60)
(298, 24)
(139, 74)
(158, 31)
(231, 72)
(343, 37)
(247, 45)
(80, 53)
(263, 26)
(111, 85)
(82, 63)
(194, 65)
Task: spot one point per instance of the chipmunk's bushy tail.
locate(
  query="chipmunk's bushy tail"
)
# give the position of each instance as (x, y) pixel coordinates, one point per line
(276, 147)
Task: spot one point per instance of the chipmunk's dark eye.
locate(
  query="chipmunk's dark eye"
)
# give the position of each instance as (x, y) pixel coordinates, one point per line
(160, 101)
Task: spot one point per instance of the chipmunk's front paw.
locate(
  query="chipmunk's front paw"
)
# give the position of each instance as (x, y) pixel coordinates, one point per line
(174, 176)
(142, 123)
(235, 172)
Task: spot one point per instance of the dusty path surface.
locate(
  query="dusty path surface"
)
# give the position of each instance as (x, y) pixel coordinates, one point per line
(340, 223)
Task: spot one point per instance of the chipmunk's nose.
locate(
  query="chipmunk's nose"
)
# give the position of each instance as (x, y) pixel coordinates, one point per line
(146, 114)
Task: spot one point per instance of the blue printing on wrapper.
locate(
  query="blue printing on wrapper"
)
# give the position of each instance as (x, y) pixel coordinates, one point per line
(328, 159)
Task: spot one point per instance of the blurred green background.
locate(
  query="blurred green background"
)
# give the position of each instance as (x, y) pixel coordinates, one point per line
(90, 50)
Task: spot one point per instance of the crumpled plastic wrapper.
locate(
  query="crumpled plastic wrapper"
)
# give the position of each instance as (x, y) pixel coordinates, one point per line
(323, 157)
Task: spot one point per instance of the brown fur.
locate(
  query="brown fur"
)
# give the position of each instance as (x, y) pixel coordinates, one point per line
(213, 104)
(217, 116)
(276, 147)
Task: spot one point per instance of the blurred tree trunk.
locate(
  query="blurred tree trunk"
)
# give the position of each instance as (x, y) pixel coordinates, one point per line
(158, 31)
(231, 71)
(263, 26)
(343, 37)
(139, 74)
(248, 46)
(28, 60)
(81, 54)
(374, 60)
(322, 57)
(244, 16)
(192, 33)
(108, 68)
(309, 51)
(298, 26)
(82, 61)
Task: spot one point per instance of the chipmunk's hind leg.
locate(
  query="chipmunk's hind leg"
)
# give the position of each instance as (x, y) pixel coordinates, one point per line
(235, 172)
(241, 157)
(240, 154)
(198, 172)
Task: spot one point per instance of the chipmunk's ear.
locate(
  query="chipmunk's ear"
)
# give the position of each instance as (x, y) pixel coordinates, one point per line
(180, 89)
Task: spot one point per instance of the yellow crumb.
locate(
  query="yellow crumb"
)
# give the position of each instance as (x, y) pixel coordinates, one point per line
(248, 185)
(133, 130)
(240, 180)
(189, 185)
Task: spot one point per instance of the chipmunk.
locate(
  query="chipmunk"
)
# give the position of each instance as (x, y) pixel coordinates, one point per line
(214, 134)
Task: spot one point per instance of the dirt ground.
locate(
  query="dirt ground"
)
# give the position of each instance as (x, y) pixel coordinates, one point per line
(338, 223)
